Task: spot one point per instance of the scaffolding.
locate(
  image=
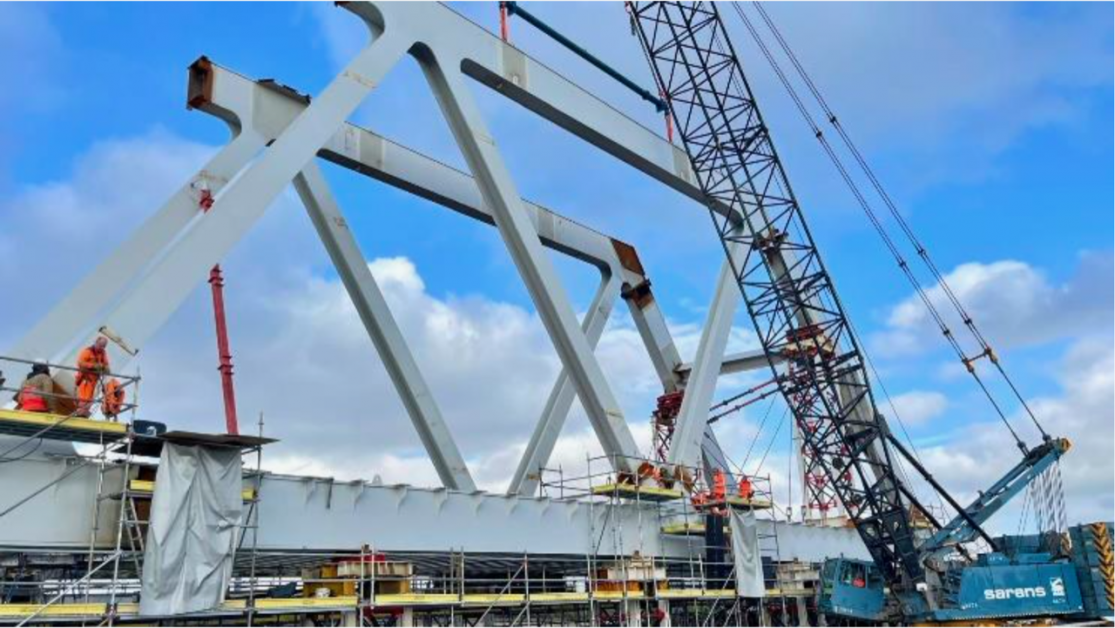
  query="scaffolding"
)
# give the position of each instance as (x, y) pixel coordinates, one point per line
(698, 589)
(621, 582)
(625, 577)
(103, 585)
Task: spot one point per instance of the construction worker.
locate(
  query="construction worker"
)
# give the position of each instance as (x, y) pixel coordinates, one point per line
(719, 486)
(746, 491)
(37, 392)
(113, 403)
(92, 363)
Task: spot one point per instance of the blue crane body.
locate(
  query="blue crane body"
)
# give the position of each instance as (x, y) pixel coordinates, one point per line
(1025, 576)
(996, 586)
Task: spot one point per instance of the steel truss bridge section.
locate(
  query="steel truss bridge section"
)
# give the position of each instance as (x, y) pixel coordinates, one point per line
(788, 293)
(134, 291)
(236, 99)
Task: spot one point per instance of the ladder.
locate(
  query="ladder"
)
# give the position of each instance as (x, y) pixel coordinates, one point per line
(130, 530)
(772, 580)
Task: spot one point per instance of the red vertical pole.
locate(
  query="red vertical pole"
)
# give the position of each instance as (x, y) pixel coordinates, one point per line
(504, 31)
(216, 281)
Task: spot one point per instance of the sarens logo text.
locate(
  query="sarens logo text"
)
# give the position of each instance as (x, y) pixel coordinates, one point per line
(1015, 593)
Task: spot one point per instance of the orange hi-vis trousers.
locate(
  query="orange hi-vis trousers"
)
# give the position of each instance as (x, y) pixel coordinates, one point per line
(86, 387)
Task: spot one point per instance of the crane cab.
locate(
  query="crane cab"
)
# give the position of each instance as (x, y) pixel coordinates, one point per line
(852, 589)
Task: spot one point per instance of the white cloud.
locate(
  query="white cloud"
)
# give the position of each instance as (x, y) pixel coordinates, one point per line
(919, 406)
(1016, 305)
(1013, 303)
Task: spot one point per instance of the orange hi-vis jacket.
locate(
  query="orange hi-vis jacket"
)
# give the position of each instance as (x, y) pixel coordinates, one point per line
(30, 400)
(719, 486)
(92, 361)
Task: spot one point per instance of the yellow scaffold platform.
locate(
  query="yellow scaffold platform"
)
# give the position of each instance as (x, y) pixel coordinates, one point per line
(126, 610)
(147, 487)
(641, 493)
(691, 594)
(748, 503)
(693, 528)
(130, 610)
(76, 429)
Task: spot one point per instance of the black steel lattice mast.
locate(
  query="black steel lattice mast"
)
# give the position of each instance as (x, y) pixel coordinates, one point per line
(787, 291)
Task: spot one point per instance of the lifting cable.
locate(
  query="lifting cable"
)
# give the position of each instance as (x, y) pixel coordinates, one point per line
(757, 391)
(914, 241)
(890, 243)
(774, 438)
(758, 432)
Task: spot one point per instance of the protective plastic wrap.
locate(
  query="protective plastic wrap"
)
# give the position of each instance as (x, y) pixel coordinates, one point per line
(745, 552)
(196, 513)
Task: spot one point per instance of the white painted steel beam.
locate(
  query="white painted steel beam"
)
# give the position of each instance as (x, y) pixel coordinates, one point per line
(246, 198)
(740, 362)
(271, 109)
(535, 268)
(73, 318)
(652, 328)
(692, 420)
(173, 276)
(299, 513)
(382, 328)
(541, 445)
(489, 60)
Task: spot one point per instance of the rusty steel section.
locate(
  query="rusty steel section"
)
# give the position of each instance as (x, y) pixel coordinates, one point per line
(628, 257)
(200, 84)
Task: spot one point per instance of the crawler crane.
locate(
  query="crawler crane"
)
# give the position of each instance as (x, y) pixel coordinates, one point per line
(820, 369)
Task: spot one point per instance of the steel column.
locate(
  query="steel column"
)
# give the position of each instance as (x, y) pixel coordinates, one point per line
(382, 328)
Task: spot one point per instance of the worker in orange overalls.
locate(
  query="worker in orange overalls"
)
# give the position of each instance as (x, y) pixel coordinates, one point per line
(92, 363)
(36, 393)
(746, 491)
(719, 486)
(113, 403)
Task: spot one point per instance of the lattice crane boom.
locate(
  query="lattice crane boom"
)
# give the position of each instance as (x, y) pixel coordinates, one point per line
(786, 288)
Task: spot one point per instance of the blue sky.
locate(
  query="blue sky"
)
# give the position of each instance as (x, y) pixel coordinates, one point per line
(990, 123)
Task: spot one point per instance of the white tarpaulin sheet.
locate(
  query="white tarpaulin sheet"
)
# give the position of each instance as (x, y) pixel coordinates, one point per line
(745, 552)
(195, 522)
